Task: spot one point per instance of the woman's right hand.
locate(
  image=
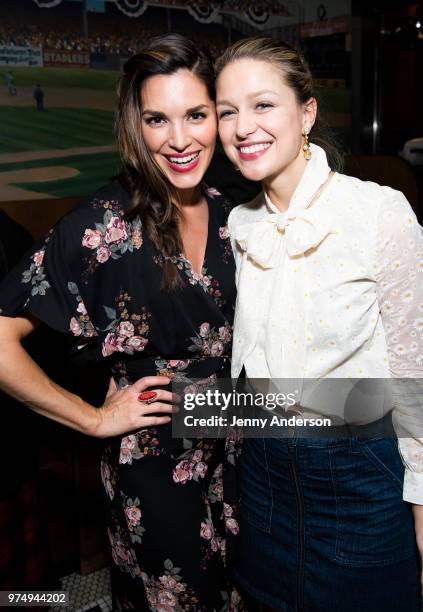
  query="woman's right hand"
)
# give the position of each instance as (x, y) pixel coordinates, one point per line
(122, 411)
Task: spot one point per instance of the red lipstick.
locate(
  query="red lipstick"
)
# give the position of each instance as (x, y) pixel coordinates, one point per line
(183, 167)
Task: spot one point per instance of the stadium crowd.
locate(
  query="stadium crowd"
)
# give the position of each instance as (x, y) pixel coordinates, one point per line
(102, 41)
(23, 24)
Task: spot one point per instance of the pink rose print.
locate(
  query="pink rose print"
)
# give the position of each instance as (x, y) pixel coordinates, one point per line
(116, 230)
(217, 349)
(138, 343)
(75, 327)
(81, 308)
(230, 522)
(211, 342)
(225, 334)
(125, 456)
(121, 552)
(38, 258)
(133, 515)
(91, 239)
(205, 531)
(168, 582)
(168, 599)
(128, 445)
(217, 490)
(103, 254)
(106, 477)
(200, 469)
(198, 455)
(204, 330)
(224, 232)
(111, 344)
(169, 593)
(182, 472)
(232, 526)
(125, 329)
(174, 363)
(227, 510)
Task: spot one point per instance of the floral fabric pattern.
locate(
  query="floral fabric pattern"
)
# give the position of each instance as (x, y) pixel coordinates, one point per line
(139, 445)
(126, 333)
(210, 342)
(80, 325)
(97, 278)
(35, 273)
(113, 237)
(133, 518)
(169, 593)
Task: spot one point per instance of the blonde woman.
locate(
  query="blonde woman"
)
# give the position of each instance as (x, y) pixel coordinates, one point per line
(329, 285)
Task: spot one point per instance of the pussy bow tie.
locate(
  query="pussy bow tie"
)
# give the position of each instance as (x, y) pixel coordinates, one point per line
(302, 231)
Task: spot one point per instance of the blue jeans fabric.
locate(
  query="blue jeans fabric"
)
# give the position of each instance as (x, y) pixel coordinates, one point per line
(324, 526)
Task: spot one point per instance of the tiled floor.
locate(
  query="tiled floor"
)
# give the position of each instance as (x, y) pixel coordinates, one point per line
(87, 593)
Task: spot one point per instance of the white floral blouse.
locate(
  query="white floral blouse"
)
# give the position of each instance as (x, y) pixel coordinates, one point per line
(334, 289)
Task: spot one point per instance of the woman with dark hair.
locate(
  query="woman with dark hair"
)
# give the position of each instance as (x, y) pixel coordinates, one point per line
(140, 275)
(329, 286)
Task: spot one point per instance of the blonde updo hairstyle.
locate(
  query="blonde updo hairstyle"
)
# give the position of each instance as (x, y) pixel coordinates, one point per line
(296, 74)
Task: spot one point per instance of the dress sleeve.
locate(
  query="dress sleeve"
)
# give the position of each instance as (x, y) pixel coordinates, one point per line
(46, 282)
(399, 265)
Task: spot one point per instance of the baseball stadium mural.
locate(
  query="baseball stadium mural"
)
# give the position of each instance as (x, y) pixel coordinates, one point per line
(60, 62)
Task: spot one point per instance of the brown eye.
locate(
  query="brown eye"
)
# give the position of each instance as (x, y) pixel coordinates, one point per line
(154, 121)
(198, 116)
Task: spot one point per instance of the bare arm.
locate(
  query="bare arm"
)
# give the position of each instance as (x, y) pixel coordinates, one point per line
(22, 378)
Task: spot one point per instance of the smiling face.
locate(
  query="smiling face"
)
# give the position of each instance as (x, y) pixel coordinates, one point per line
(260, 119)
(179, 126)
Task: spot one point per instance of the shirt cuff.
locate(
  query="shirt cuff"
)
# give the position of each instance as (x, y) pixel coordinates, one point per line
(413, 487)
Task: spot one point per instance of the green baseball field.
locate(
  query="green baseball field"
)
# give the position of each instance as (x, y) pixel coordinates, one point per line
(69, 149)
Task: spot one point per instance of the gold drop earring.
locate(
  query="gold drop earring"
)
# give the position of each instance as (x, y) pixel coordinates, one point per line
(306, 145)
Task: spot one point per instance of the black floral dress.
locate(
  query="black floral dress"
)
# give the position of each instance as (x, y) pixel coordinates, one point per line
(96, 276)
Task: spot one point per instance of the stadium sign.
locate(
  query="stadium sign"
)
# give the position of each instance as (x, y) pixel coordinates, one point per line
(21, 56)
(60, 58)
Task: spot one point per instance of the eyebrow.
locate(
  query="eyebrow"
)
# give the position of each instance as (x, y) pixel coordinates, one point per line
(253, 95)
(189, 111)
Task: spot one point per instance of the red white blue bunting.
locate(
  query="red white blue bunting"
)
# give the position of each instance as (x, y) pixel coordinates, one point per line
(132, 8)
(47, 3)
(257, 15)
(204, 12)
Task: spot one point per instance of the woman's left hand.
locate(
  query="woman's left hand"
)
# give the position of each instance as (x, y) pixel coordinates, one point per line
(418, 525)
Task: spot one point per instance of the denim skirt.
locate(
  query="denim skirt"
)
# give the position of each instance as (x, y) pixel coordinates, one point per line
(324, 527)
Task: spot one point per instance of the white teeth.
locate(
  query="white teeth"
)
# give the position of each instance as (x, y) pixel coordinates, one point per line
(255, 148)
(183, 160)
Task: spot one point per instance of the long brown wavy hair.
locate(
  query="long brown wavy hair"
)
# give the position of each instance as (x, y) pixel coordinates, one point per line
(153, 197)
(297, 75)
